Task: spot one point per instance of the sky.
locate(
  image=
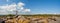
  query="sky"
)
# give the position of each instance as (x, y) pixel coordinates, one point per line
(33, 6)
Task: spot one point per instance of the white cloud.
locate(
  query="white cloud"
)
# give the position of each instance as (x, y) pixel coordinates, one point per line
(8, 7)
(26, 10)
(12, 7)
(20, 4)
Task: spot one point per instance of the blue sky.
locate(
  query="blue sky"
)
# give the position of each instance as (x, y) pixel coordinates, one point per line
(38, 6)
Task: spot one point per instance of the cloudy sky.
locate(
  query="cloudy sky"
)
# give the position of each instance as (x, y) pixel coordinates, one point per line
(31, 6)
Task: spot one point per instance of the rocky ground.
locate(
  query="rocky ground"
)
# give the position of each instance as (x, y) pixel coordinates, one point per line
(22, 19)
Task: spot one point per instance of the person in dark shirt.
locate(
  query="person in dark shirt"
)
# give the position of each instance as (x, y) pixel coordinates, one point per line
(3, 21)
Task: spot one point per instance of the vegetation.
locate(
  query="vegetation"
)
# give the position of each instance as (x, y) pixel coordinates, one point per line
(39, 15)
